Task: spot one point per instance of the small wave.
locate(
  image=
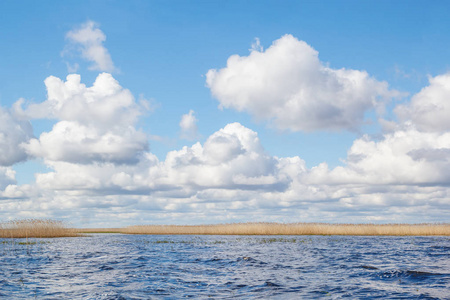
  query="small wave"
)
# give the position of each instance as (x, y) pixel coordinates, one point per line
(443, 248)
(246, 258)
(90, 255)
(202, 268)
(408, 274)
(250, 260)
(368, 267)
(422, 274)
(215, 259)
(142, 258)
(271, 284)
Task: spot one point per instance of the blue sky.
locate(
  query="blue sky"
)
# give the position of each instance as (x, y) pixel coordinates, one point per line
(293, 111)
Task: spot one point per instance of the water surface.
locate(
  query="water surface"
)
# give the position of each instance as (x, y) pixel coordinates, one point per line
(114, 266)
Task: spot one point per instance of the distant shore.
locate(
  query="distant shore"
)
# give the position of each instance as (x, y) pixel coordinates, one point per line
(35, 228)
(283, 229)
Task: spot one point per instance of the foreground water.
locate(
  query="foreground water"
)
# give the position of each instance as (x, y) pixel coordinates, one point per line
(113, 266)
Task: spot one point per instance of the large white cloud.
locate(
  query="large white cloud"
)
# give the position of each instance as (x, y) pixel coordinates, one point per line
(89, 39)
(96, 123)
(228, 171)
(230, 177)
(404, 157)
(104, 104)
(74, 142)
(231, 158)
(289, 86)
(429, 110)
(13, 133)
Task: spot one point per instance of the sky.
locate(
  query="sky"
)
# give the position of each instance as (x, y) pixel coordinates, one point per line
(117, 113)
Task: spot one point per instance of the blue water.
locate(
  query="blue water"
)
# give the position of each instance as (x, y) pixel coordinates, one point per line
(114, 266)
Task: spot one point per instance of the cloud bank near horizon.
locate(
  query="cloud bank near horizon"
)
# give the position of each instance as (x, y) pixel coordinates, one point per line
(102, 171)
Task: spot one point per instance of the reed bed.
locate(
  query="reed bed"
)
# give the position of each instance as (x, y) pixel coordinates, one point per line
(35, 228)
(99, 230)
(294, 229)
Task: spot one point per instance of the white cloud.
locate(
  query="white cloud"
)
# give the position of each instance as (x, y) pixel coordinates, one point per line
(101, 168)
(231, 158)
(13, 133)
(188, 126)
(405, 157)
(73, 142)
(231, 178)
(96, 123)
(289, 86)
(429, 110)
(7, 177)
(89, 39)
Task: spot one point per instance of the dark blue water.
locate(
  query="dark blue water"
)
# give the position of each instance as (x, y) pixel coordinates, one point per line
(113, 266)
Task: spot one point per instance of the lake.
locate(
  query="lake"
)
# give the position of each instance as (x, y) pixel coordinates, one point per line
(115, 266)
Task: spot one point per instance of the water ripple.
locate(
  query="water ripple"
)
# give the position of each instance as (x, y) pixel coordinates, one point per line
(110, 266)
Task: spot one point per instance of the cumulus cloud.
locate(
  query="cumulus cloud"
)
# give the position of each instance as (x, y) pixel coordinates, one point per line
(230, 177)
(404, 157)
(7, 177)
(288, 85)
(188, 126)
(88, 39)
(231, 158)
(429, 110)
(13, 132)
(101, 167)
(75, 142)
(95, 123)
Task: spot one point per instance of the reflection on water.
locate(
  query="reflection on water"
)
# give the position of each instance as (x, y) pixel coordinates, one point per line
(113, 266)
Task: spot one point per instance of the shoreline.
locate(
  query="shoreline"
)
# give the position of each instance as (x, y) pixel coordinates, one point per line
(35, 228)
(427, 229)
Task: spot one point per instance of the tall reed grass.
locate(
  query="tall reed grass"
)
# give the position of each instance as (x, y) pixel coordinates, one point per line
(35, 228)
(294, 229)
(99, 230)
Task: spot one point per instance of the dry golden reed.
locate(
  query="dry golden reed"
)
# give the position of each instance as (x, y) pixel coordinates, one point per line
(294, 229)
(35, 228)
(98, 230)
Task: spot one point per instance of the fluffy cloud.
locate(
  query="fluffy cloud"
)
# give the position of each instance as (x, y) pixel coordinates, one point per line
(231, 158)
(96, 123)
(230, 170)
(188, 126)
(104, 104)
(7, 177)
(74, 142)
(429, 110)
(101, 168)
(289, 86)
(231, 178)
(89, 39)
(405, 157)
(13, 133)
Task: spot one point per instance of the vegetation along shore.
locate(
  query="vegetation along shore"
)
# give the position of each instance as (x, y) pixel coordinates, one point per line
(36, 228)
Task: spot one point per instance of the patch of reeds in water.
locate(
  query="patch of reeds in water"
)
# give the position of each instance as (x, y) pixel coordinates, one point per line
(294, 229)
(35, 228)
